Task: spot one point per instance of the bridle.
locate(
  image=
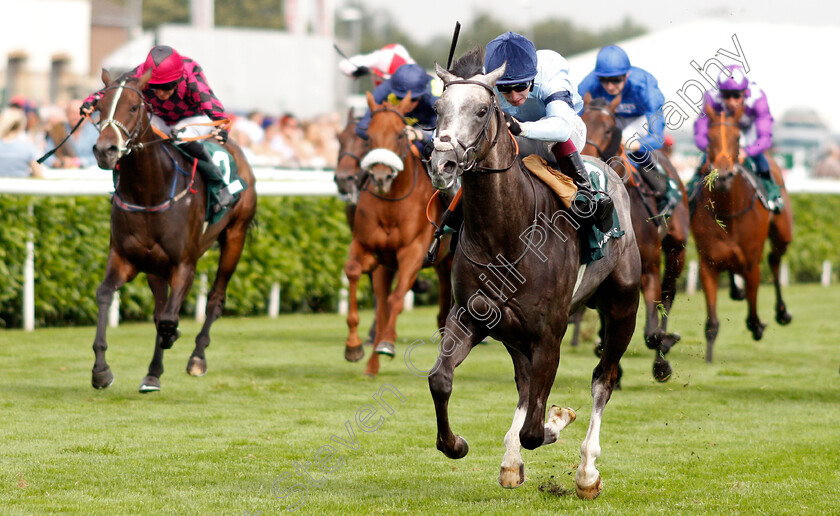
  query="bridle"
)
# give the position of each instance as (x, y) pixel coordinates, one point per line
(127, 145)
(406, 149)
(737, 169)
(615, 134)
(468, 161)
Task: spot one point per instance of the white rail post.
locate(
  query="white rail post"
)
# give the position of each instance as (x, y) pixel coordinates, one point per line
(826, 273)
(784, 274)
(343, 302)
(201, 299)
(691, 280)
(114, 311)
(29, 285)
(274, 301)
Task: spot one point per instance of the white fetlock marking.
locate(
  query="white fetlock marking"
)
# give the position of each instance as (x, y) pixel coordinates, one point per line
(513, 457)
(558, 419)
(587, 474)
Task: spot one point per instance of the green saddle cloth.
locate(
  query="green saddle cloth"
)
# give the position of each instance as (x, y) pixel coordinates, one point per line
(595, 240)
(222, 173)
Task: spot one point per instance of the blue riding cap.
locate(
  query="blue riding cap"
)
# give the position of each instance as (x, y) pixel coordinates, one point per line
(410, 77)
(612, 61)
(520, 54)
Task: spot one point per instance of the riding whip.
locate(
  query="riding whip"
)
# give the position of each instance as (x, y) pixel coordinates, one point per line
(454, 43)
(46, 156)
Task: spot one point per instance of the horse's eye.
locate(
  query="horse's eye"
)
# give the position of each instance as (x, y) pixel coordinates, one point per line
(135, 108)
(482, 112)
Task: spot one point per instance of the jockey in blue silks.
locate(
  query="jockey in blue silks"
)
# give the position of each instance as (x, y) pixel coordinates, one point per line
(637, 115)
(422, 118)
(541, 109)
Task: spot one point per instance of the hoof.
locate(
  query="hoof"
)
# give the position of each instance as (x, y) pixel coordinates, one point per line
(354, 353)
(102, 379)
(783, 317)
(511, 478)
(150, 384)
(757, 329)
(459, 451)
(590, 492)
(385, 348)
(668, 342)
(197, 366)
(737, 294)
(661, 370)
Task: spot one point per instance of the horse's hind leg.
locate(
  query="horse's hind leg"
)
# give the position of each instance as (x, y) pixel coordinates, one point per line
(674, 251)
(459, 337)
(618, 302)
(780, 238)
(382, 279)
(117, 273)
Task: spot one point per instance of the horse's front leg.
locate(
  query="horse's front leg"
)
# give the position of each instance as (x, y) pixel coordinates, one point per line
(180, 281)
(360, 261)
(545, 356)
(409, 259)
(381, 278)
(709, 280)
(460, 335)
(118, 272)
(752, 277)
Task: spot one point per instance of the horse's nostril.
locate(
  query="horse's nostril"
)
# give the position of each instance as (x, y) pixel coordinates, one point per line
(449, 167)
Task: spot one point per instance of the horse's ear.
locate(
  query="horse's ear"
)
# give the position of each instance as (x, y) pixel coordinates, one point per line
(710, 111)
(350, 114)
(739, 112)
(615, 102)
(106, 77)
(491, 78)
(405, 104)
(370, 101)
(587, 98)
(444, 74)
(144, 79)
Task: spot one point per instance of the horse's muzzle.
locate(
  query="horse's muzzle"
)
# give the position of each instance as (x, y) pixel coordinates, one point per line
(443, 170)
(106, 155)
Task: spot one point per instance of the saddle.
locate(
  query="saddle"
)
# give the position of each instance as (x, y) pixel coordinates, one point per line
(229, 176)
(592, 239)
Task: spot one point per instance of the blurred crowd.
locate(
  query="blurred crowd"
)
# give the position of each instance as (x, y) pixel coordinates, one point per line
(28, 131)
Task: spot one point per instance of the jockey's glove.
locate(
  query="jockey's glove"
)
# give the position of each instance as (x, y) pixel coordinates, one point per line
(86, 109)
(360, 71)
(513, 125)
(222, 136)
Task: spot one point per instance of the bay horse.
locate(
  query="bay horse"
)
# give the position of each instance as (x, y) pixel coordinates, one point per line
(517, 275)
(391, 234)
(157, 225)
(730, 226)
(603, 140)
(351, 149)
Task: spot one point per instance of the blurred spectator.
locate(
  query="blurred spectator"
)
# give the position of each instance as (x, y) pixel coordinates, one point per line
(34, 130)
(252, 125)
(77, 151)
(17, 154)
(285, 139)
(829, 165)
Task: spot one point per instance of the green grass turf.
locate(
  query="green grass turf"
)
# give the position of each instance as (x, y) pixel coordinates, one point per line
(757, 432)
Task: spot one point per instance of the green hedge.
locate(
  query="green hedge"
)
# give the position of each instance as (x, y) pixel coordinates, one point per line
(300, 242)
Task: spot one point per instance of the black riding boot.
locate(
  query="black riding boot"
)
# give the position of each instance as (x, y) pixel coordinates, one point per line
(221, 196)
(601, 214)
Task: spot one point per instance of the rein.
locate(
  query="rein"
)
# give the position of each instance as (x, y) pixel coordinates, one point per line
(737, 169)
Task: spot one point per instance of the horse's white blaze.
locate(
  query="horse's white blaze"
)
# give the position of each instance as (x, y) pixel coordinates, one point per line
(512, 460)
(109, 122)
(382, 156)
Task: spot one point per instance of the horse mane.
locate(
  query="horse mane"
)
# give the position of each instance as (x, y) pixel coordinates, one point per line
(599, 102)
(470, 63)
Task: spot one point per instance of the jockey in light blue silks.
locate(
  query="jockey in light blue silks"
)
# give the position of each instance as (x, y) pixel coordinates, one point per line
(636, 115)
(541, 109)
